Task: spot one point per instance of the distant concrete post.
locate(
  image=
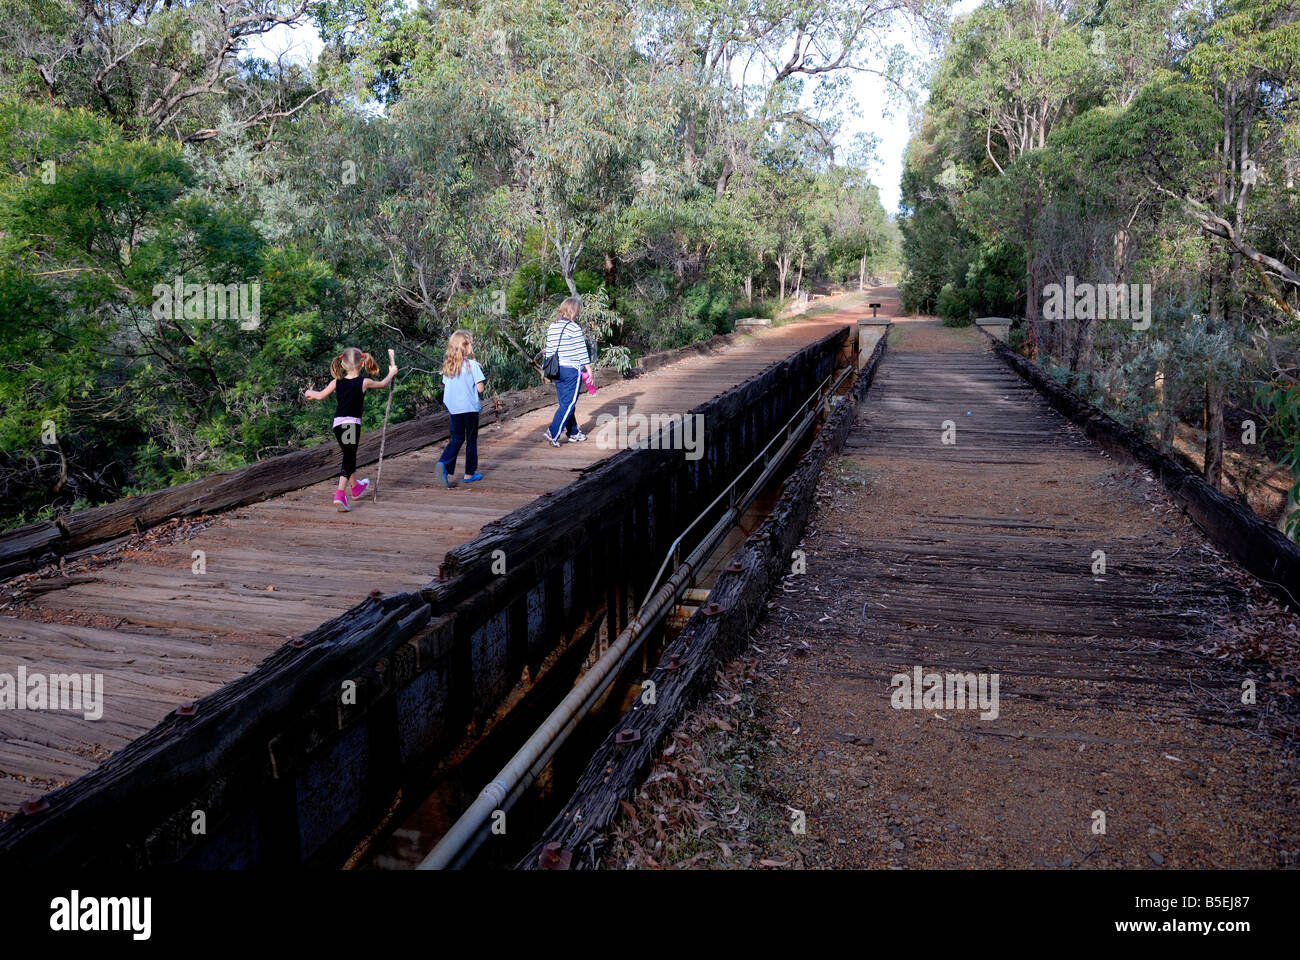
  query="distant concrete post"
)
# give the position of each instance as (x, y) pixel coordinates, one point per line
(870, 330)
(998, 326)
(752, 324)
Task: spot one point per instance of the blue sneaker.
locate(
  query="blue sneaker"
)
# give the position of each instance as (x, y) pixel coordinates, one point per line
(477, 476)
(442, 474)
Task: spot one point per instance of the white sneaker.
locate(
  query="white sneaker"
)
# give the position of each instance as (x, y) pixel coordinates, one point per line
(577, 437)
(553, 441)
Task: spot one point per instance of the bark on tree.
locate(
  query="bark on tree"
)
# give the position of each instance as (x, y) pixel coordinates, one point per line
(1214, 433)
(1164, 416)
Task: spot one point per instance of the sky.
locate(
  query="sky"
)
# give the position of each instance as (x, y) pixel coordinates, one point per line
(890, 123)
(878, 116)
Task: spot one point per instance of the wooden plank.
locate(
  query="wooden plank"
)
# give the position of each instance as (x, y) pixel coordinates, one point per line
(23, 548)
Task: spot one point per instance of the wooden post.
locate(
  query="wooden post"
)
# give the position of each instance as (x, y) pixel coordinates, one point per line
(392, 361)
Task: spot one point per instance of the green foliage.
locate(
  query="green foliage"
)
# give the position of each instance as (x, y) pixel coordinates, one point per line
(433, 159)
(137, 394)
(1281, 401)
(709, 305)
(991, 287)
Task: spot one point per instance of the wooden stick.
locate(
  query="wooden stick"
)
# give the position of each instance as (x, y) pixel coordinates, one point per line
(392, 361)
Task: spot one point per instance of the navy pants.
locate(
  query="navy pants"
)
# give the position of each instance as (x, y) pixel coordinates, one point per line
(566, 392)
(464, 429)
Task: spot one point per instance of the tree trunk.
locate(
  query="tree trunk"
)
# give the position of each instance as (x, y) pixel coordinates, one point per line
(1213, 472)
(1212, 410)
(1032, 307)
(1164, 416)
(749, 289)
(1083, 343)
(862, 273)
(782, 269)
(798, 283)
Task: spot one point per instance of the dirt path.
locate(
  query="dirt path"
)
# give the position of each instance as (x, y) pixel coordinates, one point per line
(980, 557)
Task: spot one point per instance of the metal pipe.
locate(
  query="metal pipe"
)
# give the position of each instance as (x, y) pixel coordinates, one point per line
(564, 717)
(687, 573)
(529, 761)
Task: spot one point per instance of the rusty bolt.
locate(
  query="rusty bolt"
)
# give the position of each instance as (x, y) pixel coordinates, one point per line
(628, 735)
(376, 594)
(298, 643)
(553, 858)
(735, 567)
(712, 609)
(33, 805)
(186, 709)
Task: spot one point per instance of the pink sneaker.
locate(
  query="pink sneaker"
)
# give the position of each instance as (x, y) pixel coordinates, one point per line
(360, 487)
(341, 501)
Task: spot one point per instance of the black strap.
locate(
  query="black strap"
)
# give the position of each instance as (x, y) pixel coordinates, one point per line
(559, 344)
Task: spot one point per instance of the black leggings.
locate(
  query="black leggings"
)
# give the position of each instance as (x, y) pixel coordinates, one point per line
(353, 433)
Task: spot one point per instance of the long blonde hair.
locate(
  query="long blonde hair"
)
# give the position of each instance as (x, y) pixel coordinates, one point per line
(569, 309)
(458, 348)
(353, 359)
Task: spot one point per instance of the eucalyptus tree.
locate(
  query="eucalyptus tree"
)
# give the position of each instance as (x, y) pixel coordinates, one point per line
(156, 67)
(110, 380)
(1012, 71)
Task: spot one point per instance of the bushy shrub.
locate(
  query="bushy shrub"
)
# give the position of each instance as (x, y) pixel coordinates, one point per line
(708, 304)
(954, 306)
(528, 285)
(991, 287)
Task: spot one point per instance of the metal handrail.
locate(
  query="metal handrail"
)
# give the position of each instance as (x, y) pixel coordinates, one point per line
(729, 488)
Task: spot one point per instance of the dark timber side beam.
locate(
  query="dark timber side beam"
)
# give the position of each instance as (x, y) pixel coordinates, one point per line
(1238, 531)
(687, 666)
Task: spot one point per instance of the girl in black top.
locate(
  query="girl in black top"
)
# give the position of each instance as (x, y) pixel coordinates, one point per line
(349, 388)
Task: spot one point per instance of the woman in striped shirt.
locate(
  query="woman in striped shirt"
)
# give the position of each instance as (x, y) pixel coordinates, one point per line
(565, 337)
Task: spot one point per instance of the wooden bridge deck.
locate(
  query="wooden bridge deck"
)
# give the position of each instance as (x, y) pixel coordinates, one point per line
(978, 557)
(161, 635)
